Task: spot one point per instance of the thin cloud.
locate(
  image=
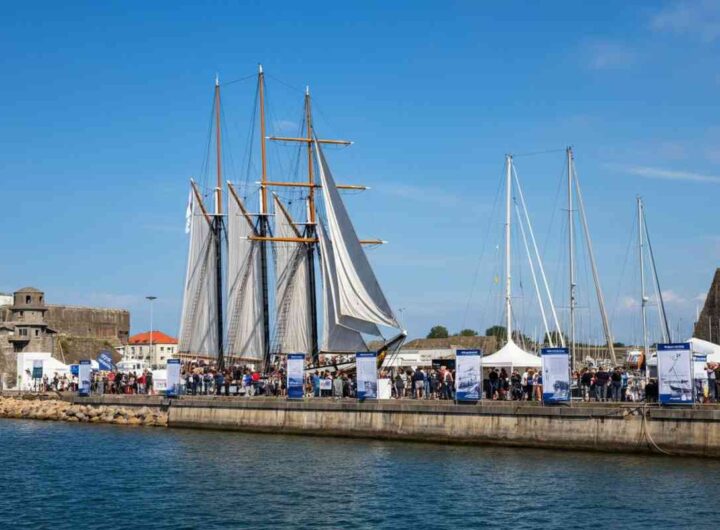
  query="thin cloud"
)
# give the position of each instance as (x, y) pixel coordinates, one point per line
(421, 194)
(607, 55)
(699, 18)
(669, 174)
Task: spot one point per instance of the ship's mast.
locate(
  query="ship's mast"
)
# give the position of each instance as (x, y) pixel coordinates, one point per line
(310, 232)
(571, 253)
(218, 228)
(263, 224)
(508, 279)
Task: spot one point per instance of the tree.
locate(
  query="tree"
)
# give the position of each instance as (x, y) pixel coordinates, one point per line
(500, 332)
(438, 332)
(618, 344)
(467, 333)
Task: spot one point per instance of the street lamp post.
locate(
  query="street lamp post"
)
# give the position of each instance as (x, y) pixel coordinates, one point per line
(151, 299)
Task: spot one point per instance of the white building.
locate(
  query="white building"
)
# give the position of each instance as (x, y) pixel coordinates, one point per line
(6, 299)
(153, 347)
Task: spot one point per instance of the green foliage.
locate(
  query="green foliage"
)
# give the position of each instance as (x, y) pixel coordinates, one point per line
(468, 333)
(497, 331)
(438, 332)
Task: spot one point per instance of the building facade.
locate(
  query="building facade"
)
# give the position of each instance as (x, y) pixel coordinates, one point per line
(153, 347)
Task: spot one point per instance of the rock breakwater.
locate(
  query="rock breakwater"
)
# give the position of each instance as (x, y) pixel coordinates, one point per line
(56, 410)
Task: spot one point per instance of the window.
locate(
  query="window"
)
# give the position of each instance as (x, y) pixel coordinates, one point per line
(23, 332)
(37, 332)
(28, 299)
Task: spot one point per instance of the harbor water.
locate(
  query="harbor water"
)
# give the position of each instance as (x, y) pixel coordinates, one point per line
(61, 476)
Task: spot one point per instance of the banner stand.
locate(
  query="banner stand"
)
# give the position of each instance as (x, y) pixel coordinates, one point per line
(676, 384)
(468, 377)
(172, 385)
(367, 376)
(84, 375)
(555, 373)
(295, 376)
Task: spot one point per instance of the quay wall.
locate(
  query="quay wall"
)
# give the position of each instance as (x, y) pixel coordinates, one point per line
(611, 428)
(634, 428)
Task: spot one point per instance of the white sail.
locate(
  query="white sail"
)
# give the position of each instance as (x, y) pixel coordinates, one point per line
(336, 336)
(245, 326)
(198, 326)
(359, 295)
(292, 296)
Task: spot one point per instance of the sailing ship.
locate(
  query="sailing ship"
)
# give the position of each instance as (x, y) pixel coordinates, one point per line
(258, 306)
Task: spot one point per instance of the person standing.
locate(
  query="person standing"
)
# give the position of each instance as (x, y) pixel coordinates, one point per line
(712, 390)
(601, 384)
(616, 382)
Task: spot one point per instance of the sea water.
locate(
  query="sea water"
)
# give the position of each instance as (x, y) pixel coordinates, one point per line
(60, 475)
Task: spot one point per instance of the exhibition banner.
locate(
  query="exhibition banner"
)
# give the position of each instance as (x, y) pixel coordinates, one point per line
(37, 371)
(84, 375)
(172, 379)
(702, 384)
(468, 375)
(555, 375)
(675, 373)
(105, 361)
(367, 380)
(295, 375)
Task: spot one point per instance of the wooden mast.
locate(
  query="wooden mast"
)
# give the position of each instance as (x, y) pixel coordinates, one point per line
(217, 229)
(310, 230)
(263, 231)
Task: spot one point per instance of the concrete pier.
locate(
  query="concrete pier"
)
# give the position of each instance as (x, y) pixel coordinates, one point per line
(587, 426)
(608, 427)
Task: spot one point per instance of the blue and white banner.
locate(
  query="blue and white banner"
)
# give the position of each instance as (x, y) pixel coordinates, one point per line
(367, 378)
(84, 376)
(172, 379)
(37, 371)
(105, 361)
(296, 375)
(555, 375)
(468, 375)
(675, 373)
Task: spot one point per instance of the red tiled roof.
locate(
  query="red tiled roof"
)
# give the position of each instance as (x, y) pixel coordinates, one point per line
(158, 337)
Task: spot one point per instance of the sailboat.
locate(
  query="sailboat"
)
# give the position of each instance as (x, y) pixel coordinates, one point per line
(271, 301)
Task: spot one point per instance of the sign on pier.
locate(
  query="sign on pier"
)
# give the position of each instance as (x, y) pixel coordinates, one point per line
(555, 375)
(675, 373)
(367, 379)
(468, 375)
(84, 377)
(172, 384)
(295, 375)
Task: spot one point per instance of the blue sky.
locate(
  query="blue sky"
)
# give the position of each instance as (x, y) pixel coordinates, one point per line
(105, 111)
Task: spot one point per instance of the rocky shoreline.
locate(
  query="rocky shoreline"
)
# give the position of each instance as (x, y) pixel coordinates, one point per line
(57, 410)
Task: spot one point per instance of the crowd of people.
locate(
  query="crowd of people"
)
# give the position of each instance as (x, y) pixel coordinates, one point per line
(597, 384)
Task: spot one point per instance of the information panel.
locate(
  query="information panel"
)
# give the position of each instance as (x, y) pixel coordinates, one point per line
(37, 371)
(675, 373)
(367, 380)
(172, 379)
(295, 375)
(700, 375)
(555, 375)
(468, 375)
(84, 374)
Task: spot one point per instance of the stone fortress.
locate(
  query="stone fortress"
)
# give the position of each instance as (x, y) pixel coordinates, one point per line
(708, 325)
(69, 333)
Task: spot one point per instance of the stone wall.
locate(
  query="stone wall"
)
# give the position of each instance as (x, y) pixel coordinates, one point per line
(708, 325)
(614, 428)
(112, 325)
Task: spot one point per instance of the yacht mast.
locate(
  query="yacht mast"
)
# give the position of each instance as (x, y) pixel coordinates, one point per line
(593, 268)
(508, 280)
(218, 228)
(571, 253)
(643, 296)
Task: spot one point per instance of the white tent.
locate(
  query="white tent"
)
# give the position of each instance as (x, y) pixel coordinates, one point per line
(704, 347)
(513, 356)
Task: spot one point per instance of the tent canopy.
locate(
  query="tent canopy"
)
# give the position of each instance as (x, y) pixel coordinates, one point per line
(706, 348)
(512, 355)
